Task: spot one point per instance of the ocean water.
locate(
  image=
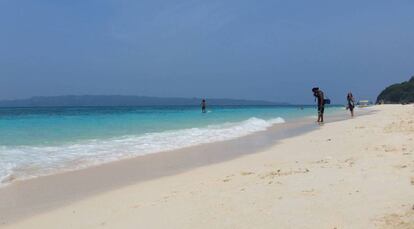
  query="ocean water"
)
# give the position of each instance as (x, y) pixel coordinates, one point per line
(41, 141)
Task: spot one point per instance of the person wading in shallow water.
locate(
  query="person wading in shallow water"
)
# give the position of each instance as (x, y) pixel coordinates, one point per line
(351, 103)
(321, 103)
(203, 106)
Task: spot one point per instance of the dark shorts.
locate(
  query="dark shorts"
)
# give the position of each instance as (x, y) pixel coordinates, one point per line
(351, 107)
(321, 110)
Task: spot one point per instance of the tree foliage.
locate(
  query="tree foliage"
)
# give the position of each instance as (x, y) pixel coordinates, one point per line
(398, 93)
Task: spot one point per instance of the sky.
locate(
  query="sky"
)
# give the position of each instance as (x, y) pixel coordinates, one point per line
(274, 50)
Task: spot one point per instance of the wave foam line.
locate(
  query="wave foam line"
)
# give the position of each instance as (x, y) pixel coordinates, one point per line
(23, 162)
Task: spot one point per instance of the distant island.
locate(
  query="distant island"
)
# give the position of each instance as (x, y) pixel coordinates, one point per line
(401, 93)
(122, 100)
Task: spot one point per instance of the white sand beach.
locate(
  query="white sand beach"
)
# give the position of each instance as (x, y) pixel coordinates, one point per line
(356, 173)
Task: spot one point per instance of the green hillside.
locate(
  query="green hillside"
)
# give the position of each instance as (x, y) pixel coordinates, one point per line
(398, 93)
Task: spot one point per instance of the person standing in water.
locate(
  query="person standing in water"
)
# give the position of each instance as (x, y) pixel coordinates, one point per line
(203, 106)
(321, 103)
(351, 103)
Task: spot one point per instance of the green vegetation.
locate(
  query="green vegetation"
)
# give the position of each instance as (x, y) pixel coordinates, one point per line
(398, 93)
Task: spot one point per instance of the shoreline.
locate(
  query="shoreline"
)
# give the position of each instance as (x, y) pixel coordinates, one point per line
(11, 179)
(25, 198)
(113, 147)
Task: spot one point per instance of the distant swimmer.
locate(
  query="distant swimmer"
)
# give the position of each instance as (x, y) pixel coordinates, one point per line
(318, 93)
(203, 106)
(351, 103)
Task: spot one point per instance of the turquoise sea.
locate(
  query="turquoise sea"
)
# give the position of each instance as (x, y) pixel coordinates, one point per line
(40, 141)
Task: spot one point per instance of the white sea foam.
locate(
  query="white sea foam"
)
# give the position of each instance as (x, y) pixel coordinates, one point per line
(21, 162)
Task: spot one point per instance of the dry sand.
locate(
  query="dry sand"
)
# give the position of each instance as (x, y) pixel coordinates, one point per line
(357, 173)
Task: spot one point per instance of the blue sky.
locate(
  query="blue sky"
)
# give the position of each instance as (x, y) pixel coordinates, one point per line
(269, 49)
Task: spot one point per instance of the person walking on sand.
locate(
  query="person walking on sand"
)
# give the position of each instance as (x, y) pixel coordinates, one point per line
(203, 106)
(351, 103)
(318, 93)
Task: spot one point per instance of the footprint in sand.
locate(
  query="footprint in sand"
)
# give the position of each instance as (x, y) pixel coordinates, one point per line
(401, 166)
(398, 220)
(388, 148)
(246, 173)
(228, 178)
(322, 161)
(412, 180)
(350, 162)
(271, 175)
(279, 173)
